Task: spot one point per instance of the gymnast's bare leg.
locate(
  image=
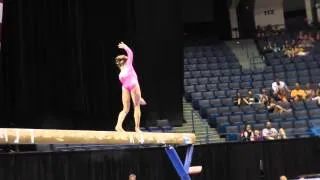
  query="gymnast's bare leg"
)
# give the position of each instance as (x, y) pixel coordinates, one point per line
(125, 109)
(137, 101)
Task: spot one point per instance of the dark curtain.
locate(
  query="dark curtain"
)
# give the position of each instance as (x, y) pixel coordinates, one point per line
(245, 12)
(222, 19)
(58, 61)
(227, 161)
(291, 158)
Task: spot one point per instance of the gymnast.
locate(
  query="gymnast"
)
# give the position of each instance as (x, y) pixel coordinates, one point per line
(130, 88)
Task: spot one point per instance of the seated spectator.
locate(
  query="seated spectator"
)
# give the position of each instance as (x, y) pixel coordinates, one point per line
(276, 108)
(318, 89)
(250, 98)
(317, 95)
(282, 95)
(239, 100)
(277, 85)
(268, 48)
(289, 52)
(282, 134)
(318, 36)
(309, 92)
(247, 134)
(299, 51)
(298, 94)
(263, 97)
(275, 48)
(300, 36)
(306, 42)
(269, 133)
(257, 136)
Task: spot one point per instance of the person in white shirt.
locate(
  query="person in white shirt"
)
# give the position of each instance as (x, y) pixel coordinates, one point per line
(269, 133)
(277, 85)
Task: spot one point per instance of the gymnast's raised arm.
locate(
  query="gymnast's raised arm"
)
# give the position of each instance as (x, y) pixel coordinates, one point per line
(128, 51)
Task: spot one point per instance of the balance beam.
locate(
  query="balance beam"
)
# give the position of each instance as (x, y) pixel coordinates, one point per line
(53, 136)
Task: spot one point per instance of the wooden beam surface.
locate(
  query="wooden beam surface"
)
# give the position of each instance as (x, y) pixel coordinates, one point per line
(51, 136)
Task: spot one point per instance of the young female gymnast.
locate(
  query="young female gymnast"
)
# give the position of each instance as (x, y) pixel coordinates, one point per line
(130, 88)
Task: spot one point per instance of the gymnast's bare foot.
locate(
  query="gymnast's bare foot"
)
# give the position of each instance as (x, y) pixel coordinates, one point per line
(138, 130)
(119, 129)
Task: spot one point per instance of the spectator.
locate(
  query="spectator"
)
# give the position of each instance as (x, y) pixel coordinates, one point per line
(268, 48)
(257, 136)
(247, 134)
(132, 177)
(263, 97)
(282, 95)
(298, 94)
(282, 134)
(283, 178)
(269, 133)
(317, 96)
(309, 92)
(300, 36)
(275, 48)
(277, 85)
(275, 108)
(238, 100)
(289, 52)
(318, 89)
(318, 36)
(250, 98)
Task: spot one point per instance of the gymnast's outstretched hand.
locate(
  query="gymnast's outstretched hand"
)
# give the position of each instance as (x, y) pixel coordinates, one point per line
(122, 45)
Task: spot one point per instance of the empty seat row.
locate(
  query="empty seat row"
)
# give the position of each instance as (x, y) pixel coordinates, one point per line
(237, 74)
(210, 60)
(293, 120)
(225, 107)
(277, 125)
(212, 73)
(212, 66)
(285, 60)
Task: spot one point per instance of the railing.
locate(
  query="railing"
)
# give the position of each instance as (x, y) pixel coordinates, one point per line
(193, 129)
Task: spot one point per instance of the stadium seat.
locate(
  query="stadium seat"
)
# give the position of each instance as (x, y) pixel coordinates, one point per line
(195, 74)
(286, 124)
(234, 85)
(201, 88)
(224, 79)
(311, 104)
(220, 94)
(262, 117)
(205, 73)
(203, 80)
(212, 87)
(314, 113)
(224, 111)
(223, 86)
(248, 118)
(213, 80)
(215, 102)
(208, 95)
(210, 112)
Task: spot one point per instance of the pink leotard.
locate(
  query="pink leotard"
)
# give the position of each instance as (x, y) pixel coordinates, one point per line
(128, 76)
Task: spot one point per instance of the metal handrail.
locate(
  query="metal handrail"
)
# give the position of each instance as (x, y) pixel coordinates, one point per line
(193, 128)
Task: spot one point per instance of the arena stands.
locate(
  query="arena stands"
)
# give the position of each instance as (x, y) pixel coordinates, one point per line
(213, 77)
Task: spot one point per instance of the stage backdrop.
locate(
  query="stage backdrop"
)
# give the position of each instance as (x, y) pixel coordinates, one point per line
(59, 61)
